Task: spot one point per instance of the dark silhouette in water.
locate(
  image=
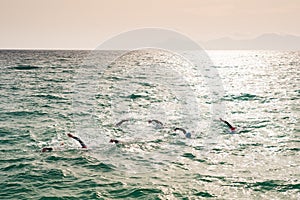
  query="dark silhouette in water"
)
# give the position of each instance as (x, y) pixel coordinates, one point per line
(187, 134)
(156, 122)
(114, 141)
(232, 129)
(121, 122)
(77, 139)
(49, 149)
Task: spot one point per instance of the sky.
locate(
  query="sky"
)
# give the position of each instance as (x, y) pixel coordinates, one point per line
(84, 24)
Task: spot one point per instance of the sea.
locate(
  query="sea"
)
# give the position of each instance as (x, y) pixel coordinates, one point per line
(46, 94)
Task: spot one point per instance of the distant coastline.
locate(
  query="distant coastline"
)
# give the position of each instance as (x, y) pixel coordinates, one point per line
(269, 41)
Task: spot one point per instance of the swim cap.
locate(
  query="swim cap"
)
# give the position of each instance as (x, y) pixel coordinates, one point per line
(188, 135)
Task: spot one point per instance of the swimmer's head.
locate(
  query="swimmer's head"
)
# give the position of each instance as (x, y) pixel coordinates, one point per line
(113, 141)
(47, 149)
(233, 130)
(188, 135)
(70, 135)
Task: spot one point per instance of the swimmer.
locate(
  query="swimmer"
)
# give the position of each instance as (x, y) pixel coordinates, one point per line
(47, 149)
(77, 139)
(119, 142)
(114, 141)
(121, 122)
(232, 129)
(187, 134)
(158, 124)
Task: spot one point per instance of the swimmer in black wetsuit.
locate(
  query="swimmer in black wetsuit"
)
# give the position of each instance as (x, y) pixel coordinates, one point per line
(77, 139)
(121, 122)
(232, 129)
(156, 121)
(114, 141)
(118, 124)
(187, 134)
(47, 149)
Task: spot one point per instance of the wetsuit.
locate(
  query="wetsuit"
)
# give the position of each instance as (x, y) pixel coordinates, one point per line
(229, 125)
(121, 122)
(156, 121)
(47, 149)
(187, 134)
(114, 141)
(78, 139)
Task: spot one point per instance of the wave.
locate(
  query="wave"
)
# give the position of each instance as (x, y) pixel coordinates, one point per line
(204, 194)
(49, 96)
(134, 193)
(24, 113)
(242, 97)
(274, 185)
(101, 167)
(25, 67)
(14, 167)
(269, 185)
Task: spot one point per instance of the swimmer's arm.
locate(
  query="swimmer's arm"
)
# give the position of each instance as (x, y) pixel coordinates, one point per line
(180, 129)
(227, 123)
(156, 121)
(121, 122)
(77, 139)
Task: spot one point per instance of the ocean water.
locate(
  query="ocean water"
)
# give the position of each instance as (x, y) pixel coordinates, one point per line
(47, 94)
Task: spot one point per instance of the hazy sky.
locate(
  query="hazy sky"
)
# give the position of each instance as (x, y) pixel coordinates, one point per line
(84, 24)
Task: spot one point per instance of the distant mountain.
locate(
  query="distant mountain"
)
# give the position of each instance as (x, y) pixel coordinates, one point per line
(264, 42)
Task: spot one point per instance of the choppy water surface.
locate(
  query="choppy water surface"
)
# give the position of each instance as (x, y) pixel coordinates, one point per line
(46, 94)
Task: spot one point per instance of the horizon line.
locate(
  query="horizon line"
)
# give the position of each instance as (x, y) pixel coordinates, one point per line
(83, 49)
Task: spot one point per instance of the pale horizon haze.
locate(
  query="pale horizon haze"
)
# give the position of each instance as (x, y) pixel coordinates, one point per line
(84, 24)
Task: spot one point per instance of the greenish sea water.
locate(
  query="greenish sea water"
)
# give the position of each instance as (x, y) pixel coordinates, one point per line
(47, 94)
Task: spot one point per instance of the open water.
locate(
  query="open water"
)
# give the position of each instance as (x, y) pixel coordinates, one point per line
(46, 94)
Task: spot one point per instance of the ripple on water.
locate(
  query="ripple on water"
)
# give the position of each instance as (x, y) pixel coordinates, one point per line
(16, 167)
(26, 67)
(242, 97)
(276, 185)
(134, 193)
(101, 167)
